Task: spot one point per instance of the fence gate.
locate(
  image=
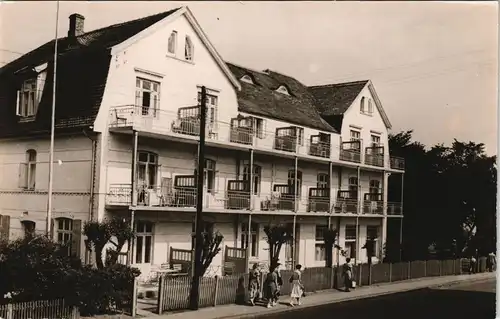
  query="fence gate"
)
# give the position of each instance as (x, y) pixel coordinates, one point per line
(235, 261)
(181, 259)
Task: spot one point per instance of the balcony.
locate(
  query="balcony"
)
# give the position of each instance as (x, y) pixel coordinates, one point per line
(319, 145)
(238, 195)
(319, 200)
(374, 155)
(347, 202)
(350, 151)
(394, 209)
(286, 139)
(373, 204)
(397, 163)
(282, 199)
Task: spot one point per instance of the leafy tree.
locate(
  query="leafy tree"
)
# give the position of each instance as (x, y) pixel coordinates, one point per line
(330, 237)
(276, 236)
(450, 191)
(211, 247)
(115, 231)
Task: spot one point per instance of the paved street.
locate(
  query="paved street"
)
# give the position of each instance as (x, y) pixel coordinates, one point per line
(465, 300)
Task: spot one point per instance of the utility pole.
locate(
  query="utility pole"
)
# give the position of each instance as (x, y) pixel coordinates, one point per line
(52, 129)
(195, 287)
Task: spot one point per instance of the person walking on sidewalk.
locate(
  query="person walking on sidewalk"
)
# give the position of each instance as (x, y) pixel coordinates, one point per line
(297, 287)
(271, 288)
(254, 284)
(348, 274)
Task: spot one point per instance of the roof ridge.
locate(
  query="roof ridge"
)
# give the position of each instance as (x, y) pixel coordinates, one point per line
(338, 84)
(244, 67)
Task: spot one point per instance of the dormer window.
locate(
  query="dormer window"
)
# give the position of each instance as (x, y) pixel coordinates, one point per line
(246, 79)
(30, 93)
(283, 90)
(188, 49)
(172, 42)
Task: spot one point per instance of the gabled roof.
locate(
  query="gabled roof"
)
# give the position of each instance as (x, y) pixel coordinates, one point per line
(83, 64)
(261, 99)
(333, 100)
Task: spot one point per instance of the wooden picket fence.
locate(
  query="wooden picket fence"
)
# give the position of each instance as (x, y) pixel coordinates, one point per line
(44, 309)
(174, 291)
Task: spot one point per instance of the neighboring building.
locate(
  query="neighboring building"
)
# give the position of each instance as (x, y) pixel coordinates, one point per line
(277, 150)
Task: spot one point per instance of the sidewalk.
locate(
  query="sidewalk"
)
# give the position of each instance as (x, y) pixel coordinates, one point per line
(323, 297)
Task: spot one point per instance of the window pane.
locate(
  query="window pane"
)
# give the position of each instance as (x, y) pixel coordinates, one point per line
(138, 250)
(254, 245)
(143, 157)
(149, 227)
(146, 85)
(137, 83)
(146, 99)
(147, 249)
(140, 226)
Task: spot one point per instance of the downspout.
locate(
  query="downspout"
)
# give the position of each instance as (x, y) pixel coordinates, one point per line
(88, 255)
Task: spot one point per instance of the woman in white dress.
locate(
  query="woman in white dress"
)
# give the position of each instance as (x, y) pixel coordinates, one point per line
(297, 287)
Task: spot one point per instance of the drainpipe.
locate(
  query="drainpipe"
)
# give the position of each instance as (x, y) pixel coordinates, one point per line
(88, 254)
(357, 217)
(133, 194)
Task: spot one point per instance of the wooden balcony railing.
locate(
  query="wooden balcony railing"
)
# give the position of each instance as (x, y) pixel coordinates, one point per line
(374, 155)
(397, 163)
(350, 151)
(319, 200)
(281, 199)
(373, 203)
(238, 195)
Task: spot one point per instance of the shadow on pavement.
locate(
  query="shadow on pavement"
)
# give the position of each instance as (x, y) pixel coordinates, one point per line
(425, 303)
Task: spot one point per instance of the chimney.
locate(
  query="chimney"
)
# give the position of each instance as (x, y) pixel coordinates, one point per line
(76, 22)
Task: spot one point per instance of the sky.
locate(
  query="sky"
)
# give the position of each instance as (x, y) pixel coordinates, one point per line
(434, 65)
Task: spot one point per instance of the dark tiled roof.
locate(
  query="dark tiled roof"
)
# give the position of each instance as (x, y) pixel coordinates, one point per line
(335, 99)
(83, 64)
(261, 99)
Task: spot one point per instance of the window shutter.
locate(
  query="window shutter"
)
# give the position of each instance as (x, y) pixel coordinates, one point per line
(216, 184)
(4, 227)
(23, 175)
(76, 238)
(18, 105)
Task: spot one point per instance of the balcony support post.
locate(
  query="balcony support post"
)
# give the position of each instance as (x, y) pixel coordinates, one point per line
(133, 195)
(385, 187)
(249, 228)
(357, 216)
(294, 232)
(330, 186)
(402, 216)
(296, 185)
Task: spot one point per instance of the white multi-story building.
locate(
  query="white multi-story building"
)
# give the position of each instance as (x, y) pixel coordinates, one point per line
(127, 129)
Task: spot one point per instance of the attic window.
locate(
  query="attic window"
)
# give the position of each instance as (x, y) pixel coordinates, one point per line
(282, 90)
(30, 93)
(247, 79)
(172, 42)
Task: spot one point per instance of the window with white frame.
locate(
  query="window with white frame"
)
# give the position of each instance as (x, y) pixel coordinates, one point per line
(252, 236)
(147, 96)
(350, 241)
(353, 187)
(147, 169)
(320, 247)
(372, 233)
(210, 175)
(64, 232)
(322, 180)
(374, 186)
(188, 49)
(375, 140)
(295, 189)
(258, 127)
(31, 167)
(256, 177)
(143, 242)
(172, 42)
(370, 106)
(355, 135)
(362, 105)
(28, 228)
(212, 104)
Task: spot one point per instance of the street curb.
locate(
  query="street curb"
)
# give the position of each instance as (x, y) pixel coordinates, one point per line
(377, 294)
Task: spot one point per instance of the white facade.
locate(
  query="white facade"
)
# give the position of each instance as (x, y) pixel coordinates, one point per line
(165, 152)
